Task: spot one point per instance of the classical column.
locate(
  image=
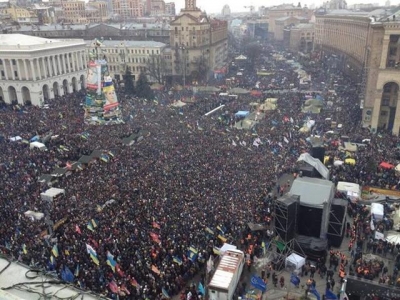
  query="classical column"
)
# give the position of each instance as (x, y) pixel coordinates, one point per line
(12, 69)
(74, 62)
(37, 64)
(26, 70)
(84, 60)
(80, 60)
(376, 111)
(5, 68)
(33, 70)
(64, 64)
(19, 70)
(44, 68)
(396, 123)
(59, 64)
(385, 51)
(69, 63)
(53, 61)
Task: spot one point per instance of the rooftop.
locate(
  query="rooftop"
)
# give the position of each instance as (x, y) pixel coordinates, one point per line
(23, 40)
(17, 42)
(136, 44)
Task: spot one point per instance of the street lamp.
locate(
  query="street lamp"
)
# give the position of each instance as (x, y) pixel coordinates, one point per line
(183, 49)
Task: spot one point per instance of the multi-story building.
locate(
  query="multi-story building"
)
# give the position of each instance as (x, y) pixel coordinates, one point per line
(135, 56)
(128, 31)
(19, 14)
(370, 47)
(199, 44)
(170, 8)
(283, 22)
(226, 11)
(128, 9)
(78, 12)
(33, 69)
(285, 10)
(157, 8)
(300, 37)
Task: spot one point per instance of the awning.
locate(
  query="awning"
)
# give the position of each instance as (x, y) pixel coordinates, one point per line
(386, 165)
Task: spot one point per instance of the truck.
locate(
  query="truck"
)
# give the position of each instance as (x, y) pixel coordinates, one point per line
(227, 275)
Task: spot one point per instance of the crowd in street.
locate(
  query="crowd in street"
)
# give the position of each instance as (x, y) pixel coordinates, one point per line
(191, 184)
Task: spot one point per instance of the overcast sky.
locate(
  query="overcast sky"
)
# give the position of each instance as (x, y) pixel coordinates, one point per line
(215, 6)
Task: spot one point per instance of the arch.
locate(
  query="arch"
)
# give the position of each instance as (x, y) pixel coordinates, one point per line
(12, 95)
(388, 108)
(46, 92)
(26, 95)
(65, 86)
(82, 82)
(56, 89)
(75, 87)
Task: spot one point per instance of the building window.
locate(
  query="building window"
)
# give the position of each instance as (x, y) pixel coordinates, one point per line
(16, 74)
(385, 101)
(393, 51)
(2, 74)
(383, 113)
(14, 62)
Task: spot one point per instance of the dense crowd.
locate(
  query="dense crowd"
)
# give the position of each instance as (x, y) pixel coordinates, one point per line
(188, 186)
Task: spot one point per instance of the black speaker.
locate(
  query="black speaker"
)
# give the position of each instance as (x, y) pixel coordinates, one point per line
(309, 171)
(286, 208)
(309, 221)
(318, 152)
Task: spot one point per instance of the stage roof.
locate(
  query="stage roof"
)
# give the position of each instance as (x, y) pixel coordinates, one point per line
(313, 192)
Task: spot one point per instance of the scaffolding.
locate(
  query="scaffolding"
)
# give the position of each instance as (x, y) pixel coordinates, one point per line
(286, 209)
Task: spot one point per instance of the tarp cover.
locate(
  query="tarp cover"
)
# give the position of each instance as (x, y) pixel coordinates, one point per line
(227, 247)
(37, 145)
(295, 261)
(242, 113)
(316, 163)
(377, 211)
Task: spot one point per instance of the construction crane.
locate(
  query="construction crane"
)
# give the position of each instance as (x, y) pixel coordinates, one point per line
(251, 7)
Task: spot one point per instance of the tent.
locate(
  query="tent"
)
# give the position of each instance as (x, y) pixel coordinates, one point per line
(386, 165)
(352, 190)
(34, 215)
(38, 145)
(178, 103)
(242, 113)
(377, 211)
(294, 262)
(227, 247)
(338, 163)
(393, 237)
(350, 161)
(51, 193)
(241, 57)
(238, 91)
(316, 163)
(15, 138)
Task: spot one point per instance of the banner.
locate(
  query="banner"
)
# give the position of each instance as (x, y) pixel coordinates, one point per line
(92, 76)
(258, 283)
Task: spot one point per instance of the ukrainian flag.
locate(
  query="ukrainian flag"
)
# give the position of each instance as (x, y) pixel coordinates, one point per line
(90, 226)
(104, 157)
(66, 252)
(112, 263)
(24, 250)
(95, 259)
(110, 153)
(177, 260)
(222, 238)
(194, 250)
(52, 260)
(94, 223)
(208, 229)
(216, 251)
(55, 251)
(220, 229)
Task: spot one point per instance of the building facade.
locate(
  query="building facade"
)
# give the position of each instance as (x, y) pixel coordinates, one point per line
(128, 9)
(34, 69)
(79, 12)
(300, 37)
(135, 56)
(370, 46)
(170, 8)
(18, 14)
(199, 44)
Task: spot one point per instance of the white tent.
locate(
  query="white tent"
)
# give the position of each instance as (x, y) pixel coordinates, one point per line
(51, 193)
(227, 247)
(352, 190)
(377, 211)
(38, 145)
(15, 138)
(34, 215)
(294, 262)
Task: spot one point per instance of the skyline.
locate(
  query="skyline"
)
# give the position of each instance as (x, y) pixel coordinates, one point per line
(212, 6)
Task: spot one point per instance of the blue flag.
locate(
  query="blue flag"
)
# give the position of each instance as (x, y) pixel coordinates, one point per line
(67, 275)
(315, 293)
(201, 289)
(329, 295)
(258, 283)
(165, 293)
(294, 279)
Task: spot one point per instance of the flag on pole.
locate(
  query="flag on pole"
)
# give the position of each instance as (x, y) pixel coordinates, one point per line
(67, 275)
(24, 249)
(222, 238)
(201, 289)
(94, 259)
(66, 252)
(156, 225)
(177, 260)
(134, 283)
(90, 249)
(113, 287)
(208, 229)
(119, 271)
(123, 288)
(112, 263)
(216, 251)
(165, 293)
(52, 260)
(94, 223)
(90, 226)
(55, 250)
(77, 229)
(76, 273)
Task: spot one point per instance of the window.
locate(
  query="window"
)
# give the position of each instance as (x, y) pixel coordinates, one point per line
(383, 113)
(16, 74)
(2, 74)
(14, 62)
(393, 51)
(387, 88)
(385, 101)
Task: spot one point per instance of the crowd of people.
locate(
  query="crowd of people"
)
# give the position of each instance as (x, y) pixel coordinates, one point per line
(179, 193)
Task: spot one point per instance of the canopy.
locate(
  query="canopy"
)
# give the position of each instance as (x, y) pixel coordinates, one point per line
(51, 193)
(227, 247)
(34, 215)
(393, 237)
(241, 57)
(316, 163)
(350, 161)
(239, 91)
(338, 163)
(38, 145)
(313, 102)
(208, 89)
(242, 113)
(386, 165)
(156, 86)
(294, 261)
(352, 190)
(15, 138)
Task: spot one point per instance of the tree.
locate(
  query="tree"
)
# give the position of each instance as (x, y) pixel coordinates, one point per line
(143, 89)
(156, 67)
(128, 81)
(253, 51)
(202, 68)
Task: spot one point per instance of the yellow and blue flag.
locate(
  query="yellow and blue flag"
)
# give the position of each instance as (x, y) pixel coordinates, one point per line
(222, 238)
(111, 262)
(177, 260)
(94, 223)
(90, 226)
(216, 251)
(193, 249)
(209, 230)
(95, 259)
(55, 250)
(24, 250)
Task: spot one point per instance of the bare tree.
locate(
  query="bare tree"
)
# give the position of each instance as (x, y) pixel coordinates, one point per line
(156, 67)
(200, 72)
